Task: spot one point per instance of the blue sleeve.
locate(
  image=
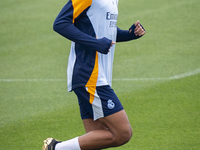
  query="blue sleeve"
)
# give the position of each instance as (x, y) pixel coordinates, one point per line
(64, 25)
(124, 35)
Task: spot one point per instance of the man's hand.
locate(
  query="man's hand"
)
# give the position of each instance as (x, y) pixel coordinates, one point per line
(111, 45)
(139, 30)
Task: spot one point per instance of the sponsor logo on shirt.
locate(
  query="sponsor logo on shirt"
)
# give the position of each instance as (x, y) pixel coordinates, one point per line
(112, 17)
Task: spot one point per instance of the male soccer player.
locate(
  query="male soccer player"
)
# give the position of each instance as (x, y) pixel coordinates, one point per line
(91, 25)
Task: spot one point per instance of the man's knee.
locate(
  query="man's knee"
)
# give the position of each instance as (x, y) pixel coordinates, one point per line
(123, 137)
(119, 126)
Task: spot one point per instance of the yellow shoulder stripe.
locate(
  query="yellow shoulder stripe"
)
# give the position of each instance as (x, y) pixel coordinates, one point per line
(79, 6)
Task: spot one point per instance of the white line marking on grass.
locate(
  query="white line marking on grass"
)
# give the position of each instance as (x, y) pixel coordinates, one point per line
(139, 79)
(179, 76)
(32, 80)
(187, 74)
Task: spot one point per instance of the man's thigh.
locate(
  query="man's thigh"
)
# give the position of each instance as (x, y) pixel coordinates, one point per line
(91, 125)
(117, 123)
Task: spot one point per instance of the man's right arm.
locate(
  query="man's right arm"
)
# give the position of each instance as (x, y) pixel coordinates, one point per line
(64, 25)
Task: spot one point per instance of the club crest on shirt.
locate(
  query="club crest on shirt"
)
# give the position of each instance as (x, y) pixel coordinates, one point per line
(115, 2)
(110, 104)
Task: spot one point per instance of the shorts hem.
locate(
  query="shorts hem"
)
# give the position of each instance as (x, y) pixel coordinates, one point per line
(113, 112)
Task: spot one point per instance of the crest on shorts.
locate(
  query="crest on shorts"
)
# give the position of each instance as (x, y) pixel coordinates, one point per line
(110, 104)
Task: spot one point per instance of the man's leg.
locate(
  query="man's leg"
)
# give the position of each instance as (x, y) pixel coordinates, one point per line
(119, 132)
(110, 131)
(91, 125)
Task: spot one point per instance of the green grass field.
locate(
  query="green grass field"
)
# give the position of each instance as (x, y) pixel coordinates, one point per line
(157, 77)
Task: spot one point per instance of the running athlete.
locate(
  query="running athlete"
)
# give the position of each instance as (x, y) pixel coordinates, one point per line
(91, 25)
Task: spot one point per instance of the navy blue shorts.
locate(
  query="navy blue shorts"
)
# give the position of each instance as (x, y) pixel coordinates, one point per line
(97, 102)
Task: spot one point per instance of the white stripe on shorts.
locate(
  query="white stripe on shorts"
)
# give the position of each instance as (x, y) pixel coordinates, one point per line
(97, 107)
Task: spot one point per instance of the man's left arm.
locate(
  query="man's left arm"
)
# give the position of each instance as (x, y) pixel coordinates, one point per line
(135, 31)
